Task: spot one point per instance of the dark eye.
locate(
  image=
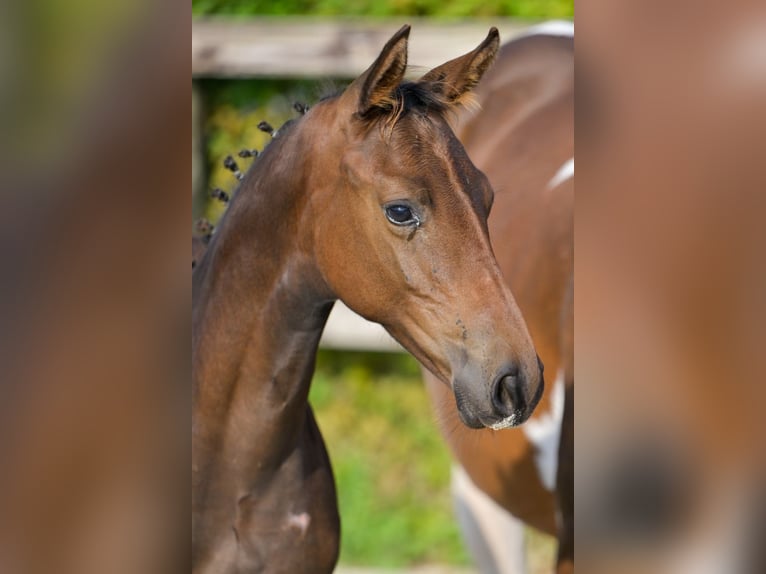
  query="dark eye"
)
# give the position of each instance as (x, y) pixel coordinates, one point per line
(401, 214)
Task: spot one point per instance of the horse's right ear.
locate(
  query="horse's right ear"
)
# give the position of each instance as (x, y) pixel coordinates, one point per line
(454, 80)
(374, 88)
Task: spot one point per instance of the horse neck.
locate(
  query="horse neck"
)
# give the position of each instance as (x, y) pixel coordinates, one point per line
(259, 309)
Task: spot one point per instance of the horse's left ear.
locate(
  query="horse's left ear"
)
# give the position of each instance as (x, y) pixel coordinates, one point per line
(374, 88)
(458, 77)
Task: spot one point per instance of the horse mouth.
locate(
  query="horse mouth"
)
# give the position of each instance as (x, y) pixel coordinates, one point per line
(512, 421)
(478, 421)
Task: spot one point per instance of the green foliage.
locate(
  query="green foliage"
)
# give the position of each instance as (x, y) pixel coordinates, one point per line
(533, 9)
(391, 466)
(234, 108)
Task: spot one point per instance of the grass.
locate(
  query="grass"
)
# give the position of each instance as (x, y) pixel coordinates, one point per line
(391, 466)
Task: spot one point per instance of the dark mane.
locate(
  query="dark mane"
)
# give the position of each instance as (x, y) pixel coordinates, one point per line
(410, 97)
(419, 96)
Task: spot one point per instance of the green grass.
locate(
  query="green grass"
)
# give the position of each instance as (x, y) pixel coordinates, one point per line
(391, 466)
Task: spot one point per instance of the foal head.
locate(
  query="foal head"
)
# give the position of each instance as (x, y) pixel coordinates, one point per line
(398, 215)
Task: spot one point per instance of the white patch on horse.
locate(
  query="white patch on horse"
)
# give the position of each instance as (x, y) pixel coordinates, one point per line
(551, 28)
(544, 432)
(495, 538)
(564, 173)
(299, 521)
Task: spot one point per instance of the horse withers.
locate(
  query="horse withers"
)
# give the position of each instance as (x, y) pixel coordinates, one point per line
(369, 198)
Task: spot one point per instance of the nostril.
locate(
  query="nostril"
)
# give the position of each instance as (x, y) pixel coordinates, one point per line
(514, 389)
(508, 394)
(540, 364)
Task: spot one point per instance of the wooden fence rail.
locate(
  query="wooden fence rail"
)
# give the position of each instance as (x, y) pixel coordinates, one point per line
(311, 48)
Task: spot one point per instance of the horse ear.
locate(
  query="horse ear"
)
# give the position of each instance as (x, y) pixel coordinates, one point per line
(375, 87)
(458, 77)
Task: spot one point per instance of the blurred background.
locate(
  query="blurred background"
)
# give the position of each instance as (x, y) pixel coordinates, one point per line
(251, 61)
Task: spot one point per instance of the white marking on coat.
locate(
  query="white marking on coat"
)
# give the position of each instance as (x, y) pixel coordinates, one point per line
(493, 535)
(300, 521)
(544, 432)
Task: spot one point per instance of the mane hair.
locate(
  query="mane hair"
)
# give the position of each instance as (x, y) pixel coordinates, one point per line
(418, 97)
(407, 97)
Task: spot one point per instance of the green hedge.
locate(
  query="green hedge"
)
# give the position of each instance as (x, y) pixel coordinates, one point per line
(391, 466)
(532, 9)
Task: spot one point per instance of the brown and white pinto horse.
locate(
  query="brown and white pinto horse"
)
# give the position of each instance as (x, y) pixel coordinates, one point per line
(523, 140)
(369, 198)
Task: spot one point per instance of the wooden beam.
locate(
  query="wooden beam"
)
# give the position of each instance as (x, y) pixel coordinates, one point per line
(345, 330)
(308, 48)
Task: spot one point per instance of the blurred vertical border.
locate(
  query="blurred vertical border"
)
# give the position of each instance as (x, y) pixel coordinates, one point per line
(94, 403)
(670, 272)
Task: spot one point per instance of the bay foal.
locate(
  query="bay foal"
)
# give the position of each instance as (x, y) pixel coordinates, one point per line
(368, 198)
